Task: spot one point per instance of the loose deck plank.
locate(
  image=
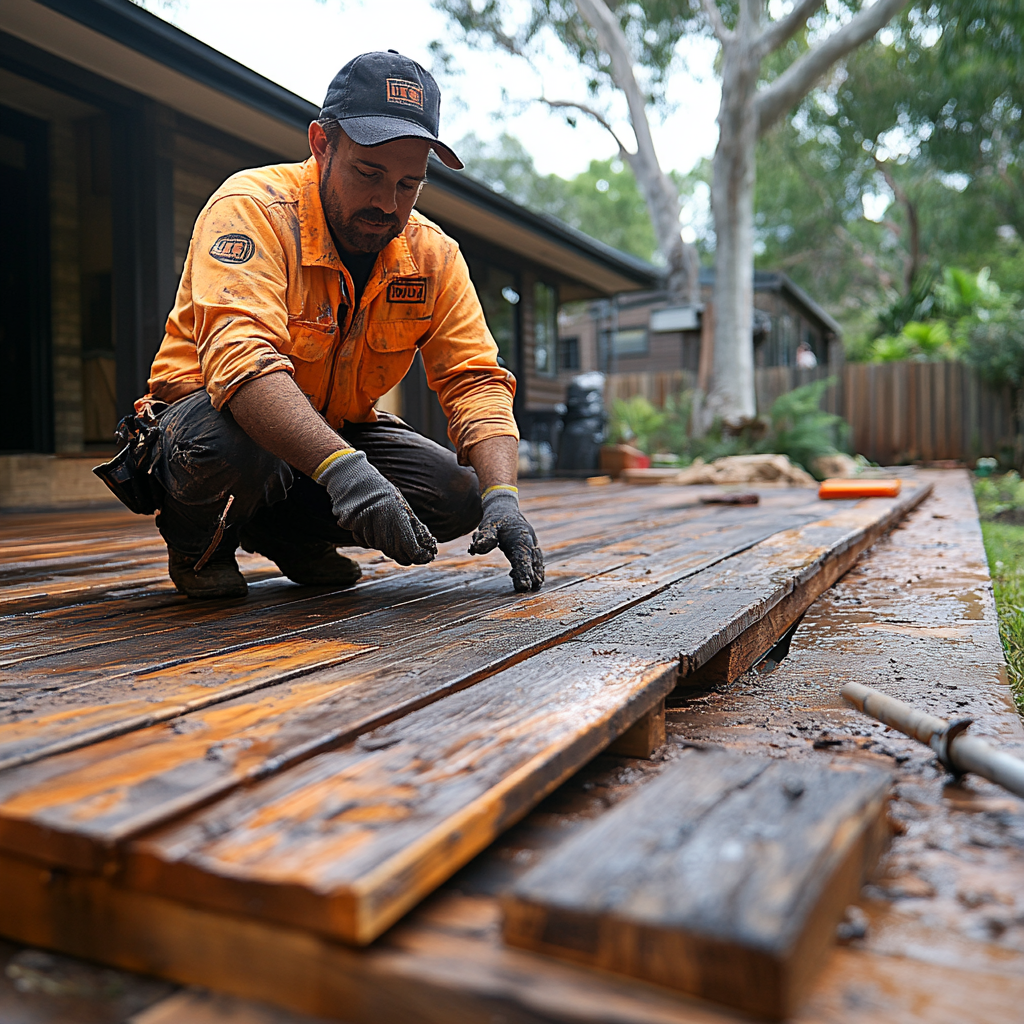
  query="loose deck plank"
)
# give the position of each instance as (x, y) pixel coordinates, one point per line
(72, 806)
(348, 841)
(725, 878)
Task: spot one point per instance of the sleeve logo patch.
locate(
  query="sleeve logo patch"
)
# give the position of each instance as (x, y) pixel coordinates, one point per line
(408, 94)
(233, 249)
(408, 290)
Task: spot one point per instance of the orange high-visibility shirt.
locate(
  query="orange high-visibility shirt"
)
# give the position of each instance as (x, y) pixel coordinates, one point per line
(264, 290)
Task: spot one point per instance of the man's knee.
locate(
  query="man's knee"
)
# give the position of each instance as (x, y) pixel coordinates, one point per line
(205, 456)
(461, 510)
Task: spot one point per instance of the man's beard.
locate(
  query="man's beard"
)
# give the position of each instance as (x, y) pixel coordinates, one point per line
(347, 230)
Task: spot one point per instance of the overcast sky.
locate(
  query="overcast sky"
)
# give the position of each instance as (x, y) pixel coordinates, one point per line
(302, 43)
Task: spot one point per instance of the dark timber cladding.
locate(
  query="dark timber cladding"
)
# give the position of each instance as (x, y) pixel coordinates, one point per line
(131, 126)
(325, 761)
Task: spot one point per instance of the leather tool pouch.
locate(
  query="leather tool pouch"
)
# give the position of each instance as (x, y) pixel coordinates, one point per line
(129, 473)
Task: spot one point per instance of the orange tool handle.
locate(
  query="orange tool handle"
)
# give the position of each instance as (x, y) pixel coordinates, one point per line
(859, 489)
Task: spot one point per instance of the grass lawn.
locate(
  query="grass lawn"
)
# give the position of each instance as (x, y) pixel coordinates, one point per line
(1004, 545)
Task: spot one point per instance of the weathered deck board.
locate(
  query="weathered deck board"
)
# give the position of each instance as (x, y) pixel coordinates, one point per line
(725, 877)
(130, 684)
(63, 655)
(71, 807)
(348, 841)
(444, 961)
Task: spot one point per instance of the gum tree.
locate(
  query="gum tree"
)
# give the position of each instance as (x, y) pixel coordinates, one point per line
(630, 48)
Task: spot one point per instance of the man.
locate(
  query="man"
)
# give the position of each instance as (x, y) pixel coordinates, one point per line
(307, 291)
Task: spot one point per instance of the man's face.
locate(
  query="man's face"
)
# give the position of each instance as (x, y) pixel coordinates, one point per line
(368, 192)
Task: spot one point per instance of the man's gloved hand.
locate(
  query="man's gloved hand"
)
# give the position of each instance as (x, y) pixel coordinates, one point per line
(369, 505)
(504, 526)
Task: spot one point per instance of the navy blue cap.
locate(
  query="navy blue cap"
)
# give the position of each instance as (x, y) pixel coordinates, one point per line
(380, 97)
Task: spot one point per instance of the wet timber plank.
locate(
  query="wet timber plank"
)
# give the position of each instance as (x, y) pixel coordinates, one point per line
(445, 961)
(916, 620)
(70, 807)
(348, 841)
(51, 711)
(30, 637)
(725, 877)
(340, 846)
(740, 608)
(593, 512)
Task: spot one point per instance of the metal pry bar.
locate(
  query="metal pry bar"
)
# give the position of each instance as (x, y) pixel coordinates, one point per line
(958, 752)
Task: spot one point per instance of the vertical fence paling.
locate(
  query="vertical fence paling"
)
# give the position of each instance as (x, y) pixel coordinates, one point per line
(898, 412)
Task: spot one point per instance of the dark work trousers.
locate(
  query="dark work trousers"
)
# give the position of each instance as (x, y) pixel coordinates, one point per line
(204, 457)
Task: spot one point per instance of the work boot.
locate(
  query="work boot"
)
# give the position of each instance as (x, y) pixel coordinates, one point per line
(218, 578)
(313, 563)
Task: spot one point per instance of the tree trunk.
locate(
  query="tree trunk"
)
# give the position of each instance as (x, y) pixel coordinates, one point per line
(731, 398)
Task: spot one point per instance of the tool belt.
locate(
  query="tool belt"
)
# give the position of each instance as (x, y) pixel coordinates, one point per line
(129, 474)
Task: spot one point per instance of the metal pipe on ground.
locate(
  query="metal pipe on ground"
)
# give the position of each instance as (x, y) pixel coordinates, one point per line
(958, 752)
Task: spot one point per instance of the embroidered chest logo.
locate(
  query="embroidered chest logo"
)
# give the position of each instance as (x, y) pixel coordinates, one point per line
(409, 94)
(408, 290)
(233, 249)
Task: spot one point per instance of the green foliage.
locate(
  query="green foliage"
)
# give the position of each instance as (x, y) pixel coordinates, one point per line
(1004, 546)
(927, 341)
(801, 429)
(998, 495)
(635, 421)
(995, 347)
(796, 426)
(929, 117)
(604, 200)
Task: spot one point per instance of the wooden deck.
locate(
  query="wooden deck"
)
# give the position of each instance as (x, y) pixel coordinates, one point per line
(239, 795)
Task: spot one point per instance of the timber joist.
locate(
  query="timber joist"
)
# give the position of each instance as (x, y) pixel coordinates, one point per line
(321, 761)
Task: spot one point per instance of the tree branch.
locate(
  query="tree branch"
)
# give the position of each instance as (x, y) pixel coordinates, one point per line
(914, 241)
(715, 18)
(781, 31)
(626, 154)
(801, 76)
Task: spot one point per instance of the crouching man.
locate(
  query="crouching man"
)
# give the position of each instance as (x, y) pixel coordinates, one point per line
(307, 291)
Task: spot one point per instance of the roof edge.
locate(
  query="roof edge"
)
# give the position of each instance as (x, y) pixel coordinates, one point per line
(468, 187)
(144, 32)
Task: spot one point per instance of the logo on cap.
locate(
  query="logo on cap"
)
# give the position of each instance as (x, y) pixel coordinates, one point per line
(408, 94)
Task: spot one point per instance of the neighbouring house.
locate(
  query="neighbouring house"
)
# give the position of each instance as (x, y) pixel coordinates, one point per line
(642, 334)
(115, 127)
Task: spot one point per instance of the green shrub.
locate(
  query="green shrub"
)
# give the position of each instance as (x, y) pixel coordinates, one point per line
(796, 426)
(635, 421)
(801, 429)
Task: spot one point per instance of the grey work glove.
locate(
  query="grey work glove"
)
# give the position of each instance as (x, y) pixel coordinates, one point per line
(504, 526)
(369, 505)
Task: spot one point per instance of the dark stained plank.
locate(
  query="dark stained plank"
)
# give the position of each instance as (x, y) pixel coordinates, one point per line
(30, 636)
(48, 708)
(71, 807)
(348, 841)
(73, 571)
(725, 878)
(924, 589)
(734, 612)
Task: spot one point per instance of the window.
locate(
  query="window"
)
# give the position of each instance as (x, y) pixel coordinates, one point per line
(568, 353)
(630, 341)
(499, 297)
(545, 329)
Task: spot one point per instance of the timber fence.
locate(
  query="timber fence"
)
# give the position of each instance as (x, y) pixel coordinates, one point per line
(898, 412)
